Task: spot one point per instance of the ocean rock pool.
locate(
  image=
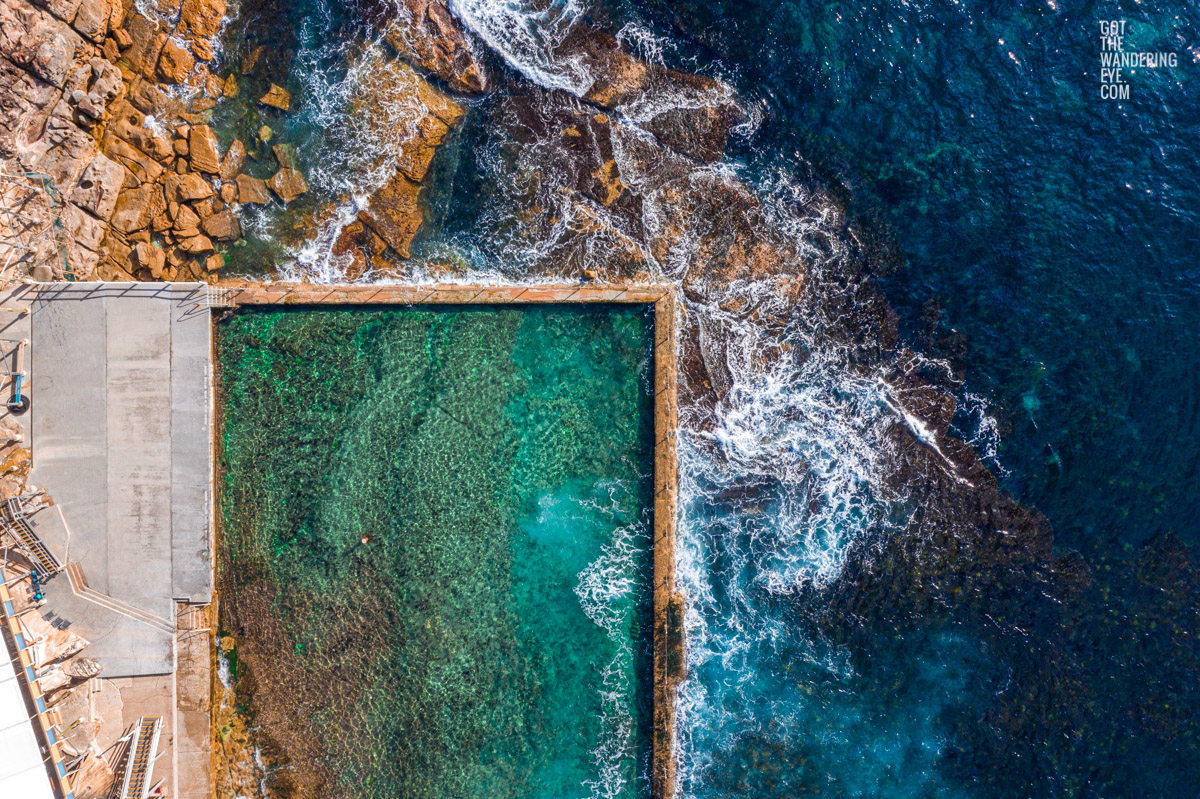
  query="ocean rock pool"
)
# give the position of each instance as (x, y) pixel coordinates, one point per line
(436, 555)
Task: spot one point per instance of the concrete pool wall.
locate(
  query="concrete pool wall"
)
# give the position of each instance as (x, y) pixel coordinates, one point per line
(669, 661)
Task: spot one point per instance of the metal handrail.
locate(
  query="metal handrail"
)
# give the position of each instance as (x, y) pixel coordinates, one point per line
(37, 181)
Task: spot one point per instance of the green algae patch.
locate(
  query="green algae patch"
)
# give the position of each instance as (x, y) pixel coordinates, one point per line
(436, 547)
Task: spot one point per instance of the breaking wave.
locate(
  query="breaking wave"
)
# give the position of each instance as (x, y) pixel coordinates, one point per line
(528, 36)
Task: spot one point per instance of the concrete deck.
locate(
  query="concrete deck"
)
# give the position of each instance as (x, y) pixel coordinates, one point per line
(121, 422)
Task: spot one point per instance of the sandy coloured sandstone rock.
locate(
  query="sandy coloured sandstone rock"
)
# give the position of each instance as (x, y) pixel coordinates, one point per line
(99, 187)
(222, 226)
(234, 160)
(288, 184)
(187, 187)
(201, 18)
(252, 190)
(277, 97)
(203, 153)
(174, 62)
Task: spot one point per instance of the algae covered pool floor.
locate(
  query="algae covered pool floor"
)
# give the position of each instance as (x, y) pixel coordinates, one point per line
(492, 637)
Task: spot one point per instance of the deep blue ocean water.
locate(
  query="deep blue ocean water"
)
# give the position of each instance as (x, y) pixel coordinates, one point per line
(1056, 234)
(1040, 244)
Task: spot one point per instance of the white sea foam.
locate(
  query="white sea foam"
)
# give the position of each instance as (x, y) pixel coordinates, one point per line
(528, 34)
(355, 154)
(604, 590)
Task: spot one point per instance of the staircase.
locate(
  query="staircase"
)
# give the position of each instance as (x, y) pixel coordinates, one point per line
(79, 587)
(139, 760)
(17, 523)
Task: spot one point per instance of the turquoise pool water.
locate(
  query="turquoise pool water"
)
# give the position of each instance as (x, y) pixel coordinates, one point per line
(492, 636)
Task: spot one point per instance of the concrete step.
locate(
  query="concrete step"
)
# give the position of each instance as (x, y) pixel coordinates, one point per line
(80, 588)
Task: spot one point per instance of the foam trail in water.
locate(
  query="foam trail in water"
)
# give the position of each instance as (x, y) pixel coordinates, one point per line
(606, 589)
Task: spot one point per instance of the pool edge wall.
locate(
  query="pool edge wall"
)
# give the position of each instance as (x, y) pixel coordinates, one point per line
(669, 656)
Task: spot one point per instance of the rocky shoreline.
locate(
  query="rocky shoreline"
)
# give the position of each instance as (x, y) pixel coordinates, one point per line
(114, 106)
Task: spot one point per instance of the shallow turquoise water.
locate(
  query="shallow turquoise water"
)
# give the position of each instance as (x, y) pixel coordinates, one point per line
(493, 635)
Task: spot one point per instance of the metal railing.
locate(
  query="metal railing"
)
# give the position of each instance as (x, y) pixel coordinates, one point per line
(16, 522)
(139, 758)
(23, 232)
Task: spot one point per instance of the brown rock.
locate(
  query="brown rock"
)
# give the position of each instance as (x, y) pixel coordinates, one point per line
(701, 132)
(34, 40)
(288, 184)
(234, 160)
(150, 66)
(394, 213)
(99, 187)
(174, 63)
(202, 18)
(27, 102)
(63, 9)
(197, 245)
(410, 133)
(277, 97)
(252, 190)
(116, 18)
(191, 186)
(203, 208)
(145, 40)
(110, 49)
(137, 207)
(129, 124)
(161, 222)
(185, 233)
(251, 60)
(180, 146)
(148, 97)
(222, 227)
(83, 229)
(202, 49)
(230, 89)
(722, 226)
(285, 154)
(360, 245)
(228, 193)
(202, 150)
(122, 38)
(186, 218)
(175, 258)
(699, 112)
(148, 257)
(142, 167)
(92, 18)
(434, 40)
(214, 262)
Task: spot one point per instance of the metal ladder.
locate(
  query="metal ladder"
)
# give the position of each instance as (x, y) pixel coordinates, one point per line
(139, 763)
